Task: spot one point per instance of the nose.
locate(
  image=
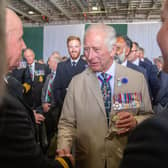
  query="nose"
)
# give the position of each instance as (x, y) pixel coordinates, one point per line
(90, 53)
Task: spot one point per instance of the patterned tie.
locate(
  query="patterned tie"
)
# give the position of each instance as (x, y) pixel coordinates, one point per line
(106, 91)
(48, 96)
(31, 71)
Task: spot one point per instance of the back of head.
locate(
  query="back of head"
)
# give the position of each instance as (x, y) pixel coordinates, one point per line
(55, 56)
(108, 31)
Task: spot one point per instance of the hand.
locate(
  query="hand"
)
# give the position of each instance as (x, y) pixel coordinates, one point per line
(38, 118)
(126, 122)
(65, 153)
(46, 107)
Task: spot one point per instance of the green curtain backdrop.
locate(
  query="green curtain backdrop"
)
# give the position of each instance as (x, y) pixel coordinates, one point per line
(121, 29)
(33, 37)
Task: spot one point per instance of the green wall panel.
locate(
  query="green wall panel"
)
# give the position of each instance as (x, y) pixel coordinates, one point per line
(33, 37)
(121, 29)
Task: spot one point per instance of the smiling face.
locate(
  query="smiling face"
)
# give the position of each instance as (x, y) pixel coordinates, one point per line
(74, 48)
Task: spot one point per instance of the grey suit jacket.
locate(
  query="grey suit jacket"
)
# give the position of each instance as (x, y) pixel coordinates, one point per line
(83, 118)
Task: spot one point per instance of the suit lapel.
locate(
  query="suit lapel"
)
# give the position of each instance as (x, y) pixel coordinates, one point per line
(68, 68)
(94, 87)
(119, 71)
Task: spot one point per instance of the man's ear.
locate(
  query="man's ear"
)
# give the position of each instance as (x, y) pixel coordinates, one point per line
(127, 51)
(113, 51)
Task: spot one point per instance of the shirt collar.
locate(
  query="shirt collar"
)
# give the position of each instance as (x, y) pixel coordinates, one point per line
(124, 63)
(136, 62)
(110, 71)
(76, 60)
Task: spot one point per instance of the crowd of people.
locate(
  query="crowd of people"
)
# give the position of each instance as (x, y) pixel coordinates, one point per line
(106, 108)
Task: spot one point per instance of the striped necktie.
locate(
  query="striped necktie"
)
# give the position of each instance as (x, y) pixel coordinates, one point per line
(106, 91)
(31, 71)
(49, 90)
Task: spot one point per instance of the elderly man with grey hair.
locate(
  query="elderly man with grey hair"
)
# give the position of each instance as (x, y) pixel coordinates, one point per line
(103, 104)
(50, 111)
(18, 145)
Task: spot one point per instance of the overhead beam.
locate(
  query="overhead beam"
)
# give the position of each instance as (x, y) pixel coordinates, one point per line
(129, 9)
(28, 2)
(60, 9)
(80, 5)
(102, 2)
(23, 14)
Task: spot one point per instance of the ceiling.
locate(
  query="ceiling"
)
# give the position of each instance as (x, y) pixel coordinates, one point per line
(80, 11)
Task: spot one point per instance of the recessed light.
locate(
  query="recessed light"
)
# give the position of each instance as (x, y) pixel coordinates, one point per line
(30, 12)
(94, 8)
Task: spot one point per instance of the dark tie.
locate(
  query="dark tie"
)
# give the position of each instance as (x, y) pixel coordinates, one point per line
(73, 63)
(106, 91)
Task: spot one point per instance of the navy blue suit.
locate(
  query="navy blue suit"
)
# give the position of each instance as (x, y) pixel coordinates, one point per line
(138, 68)
(162, 96)
(153, 80)
(65, 72)
(147, 60)
(33, 97)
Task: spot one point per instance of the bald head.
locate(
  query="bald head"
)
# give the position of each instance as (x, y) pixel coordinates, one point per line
(14, 41)
(12, 21)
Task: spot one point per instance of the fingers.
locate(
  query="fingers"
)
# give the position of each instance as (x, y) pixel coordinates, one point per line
(39, 118)
(63, 152)
(126, 121)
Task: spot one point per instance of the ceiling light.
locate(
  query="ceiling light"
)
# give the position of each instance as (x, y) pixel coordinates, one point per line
(94, 8)
(30, 12)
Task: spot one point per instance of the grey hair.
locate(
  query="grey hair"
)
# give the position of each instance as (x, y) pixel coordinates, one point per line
(110, 32)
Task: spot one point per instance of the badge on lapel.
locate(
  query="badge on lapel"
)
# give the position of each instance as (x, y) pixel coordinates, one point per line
(122, 81)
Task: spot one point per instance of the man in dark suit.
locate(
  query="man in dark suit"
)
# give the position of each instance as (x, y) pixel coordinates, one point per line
(153, 80)
(67, 69)
(17, 123)
(141, 56)
(147, 145)
(124, 45)
(37, 73)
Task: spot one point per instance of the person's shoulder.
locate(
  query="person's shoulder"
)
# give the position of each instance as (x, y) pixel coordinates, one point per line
(128, 71)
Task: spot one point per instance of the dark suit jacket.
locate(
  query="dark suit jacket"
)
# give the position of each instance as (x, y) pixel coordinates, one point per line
(147, 60)
(65, 72)
(147, 145)
(33, 97)
(153, 80)
(162, 96)
(18, 147)
(137, 68)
